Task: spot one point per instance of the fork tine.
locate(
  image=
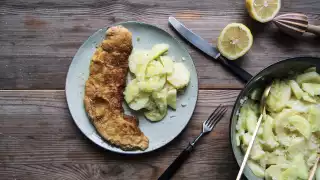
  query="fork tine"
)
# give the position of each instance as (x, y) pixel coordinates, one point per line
(213, 113)
(218, 118)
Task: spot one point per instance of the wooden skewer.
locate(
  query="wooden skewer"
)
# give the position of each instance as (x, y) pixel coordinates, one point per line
(314, 169)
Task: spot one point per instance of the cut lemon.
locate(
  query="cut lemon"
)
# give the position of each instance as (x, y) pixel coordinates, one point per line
(234, 41)
(263, 10)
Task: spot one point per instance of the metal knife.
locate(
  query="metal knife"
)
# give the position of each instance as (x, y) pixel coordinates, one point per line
(208, 49)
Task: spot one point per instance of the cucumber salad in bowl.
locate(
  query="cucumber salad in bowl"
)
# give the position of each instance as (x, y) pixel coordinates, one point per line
(288, 141)
(155, 82)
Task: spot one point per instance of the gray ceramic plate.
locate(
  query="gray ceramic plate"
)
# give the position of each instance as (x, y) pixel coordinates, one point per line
(159, 133)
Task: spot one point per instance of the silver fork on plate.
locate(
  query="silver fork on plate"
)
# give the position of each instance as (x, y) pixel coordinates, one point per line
(207, 127)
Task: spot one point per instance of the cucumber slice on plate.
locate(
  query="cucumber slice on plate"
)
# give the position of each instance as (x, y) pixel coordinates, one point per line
(160, 98)
(155, 115)
(167, 63)
(137, 58)
(151, 84)
(158, 49)
(139, 102)
(154, 68)
(180, 76)
(131, 91)
(172, 98)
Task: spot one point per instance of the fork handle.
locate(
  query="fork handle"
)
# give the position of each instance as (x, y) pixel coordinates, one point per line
(175, 165)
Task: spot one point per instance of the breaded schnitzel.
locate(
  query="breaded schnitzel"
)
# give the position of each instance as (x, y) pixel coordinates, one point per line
(104, 92)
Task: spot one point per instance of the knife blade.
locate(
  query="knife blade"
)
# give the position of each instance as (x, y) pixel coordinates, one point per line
(208, 49)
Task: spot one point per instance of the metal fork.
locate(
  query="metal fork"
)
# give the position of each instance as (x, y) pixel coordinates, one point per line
(207, 127)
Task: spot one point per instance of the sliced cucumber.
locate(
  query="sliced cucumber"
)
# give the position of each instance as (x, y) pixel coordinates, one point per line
(312, 159)
(154, 68)
(141, 69)
(248, 116)
(300, 164)
(256, 94)
(311, 69)
(251, 121)
(279, 95)
(160, 98)
(246, 138)
(281, 122)
(297, 146)
(289, 174)
(158, 49)
(297, 91)
(318, 173)
(297, 169)
(238, 139)
(273, 172)
(172, 98)
(311, 88)
(138, 58)
(314, 118)
(131, 91)
(307, 98)
(180, 76)
(256, 152)
(151, 105)
(167, 63)
(154, 83)
(268, 135)
(299, 106)
(301, 124)
(276, 159)
(256, 169)
(308, 77)
(155, 114)
(139, 102)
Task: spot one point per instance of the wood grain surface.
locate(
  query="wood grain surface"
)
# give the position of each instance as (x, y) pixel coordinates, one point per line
(38, 38)
(39, 140)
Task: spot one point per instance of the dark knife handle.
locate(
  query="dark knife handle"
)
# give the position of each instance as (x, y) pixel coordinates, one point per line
(176, 163)
(235, 69)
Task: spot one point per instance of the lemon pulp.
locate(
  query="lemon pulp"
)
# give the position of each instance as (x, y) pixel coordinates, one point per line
(263, 10)
(234, 41)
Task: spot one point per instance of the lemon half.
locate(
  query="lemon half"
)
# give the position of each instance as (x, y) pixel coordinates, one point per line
(263, 10)
(234, 41)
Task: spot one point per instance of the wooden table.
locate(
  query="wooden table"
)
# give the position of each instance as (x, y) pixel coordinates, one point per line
(38, 39)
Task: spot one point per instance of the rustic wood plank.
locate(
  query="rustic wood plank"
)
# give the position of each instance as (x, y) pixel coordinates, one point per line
(38, 39)
(40, 141)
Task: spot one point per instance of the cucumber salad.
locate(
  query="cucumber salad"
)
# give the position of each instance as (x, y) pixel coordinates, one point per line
(288, 141)
(156, 79)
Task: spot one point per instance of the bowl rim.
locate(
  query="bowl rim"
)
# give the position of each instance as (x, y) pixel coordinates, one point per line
(240, 95)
